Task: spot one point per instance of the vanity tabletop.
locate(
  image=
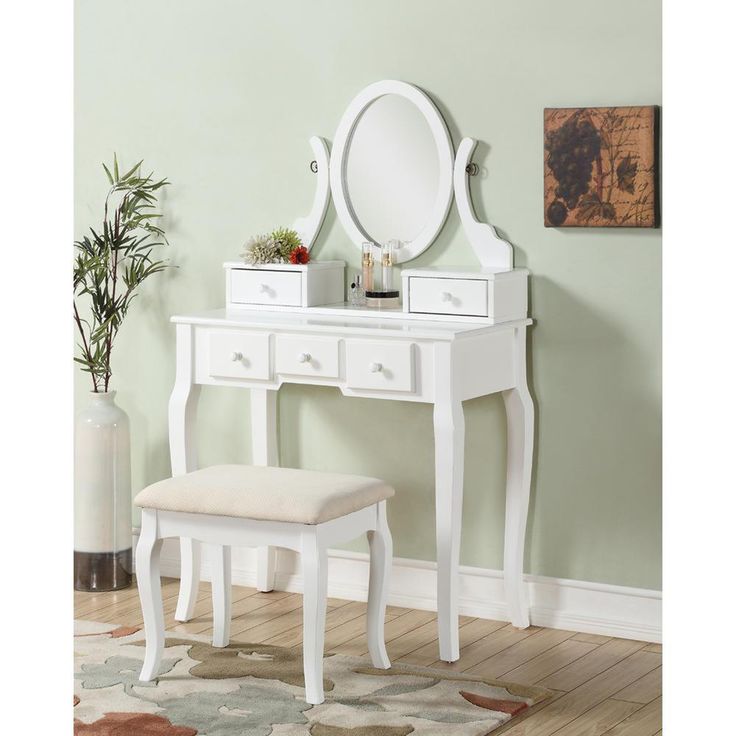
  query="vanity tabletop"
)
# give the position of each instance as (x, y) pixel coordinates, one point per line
(343, 317)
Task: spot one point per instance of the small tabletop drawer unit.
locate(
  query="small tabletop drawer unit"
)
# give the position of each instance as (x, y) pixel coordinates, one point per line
(274, 285)
(487, 296)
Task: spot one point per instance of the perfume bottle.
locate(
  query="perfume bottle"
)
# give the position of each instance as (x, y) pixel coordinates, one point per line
(387, 262)
(357, 292)
(368, 266)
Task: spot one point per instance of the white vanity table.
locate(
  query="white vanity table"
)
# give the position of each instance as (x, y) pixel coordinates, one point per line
(460, 335)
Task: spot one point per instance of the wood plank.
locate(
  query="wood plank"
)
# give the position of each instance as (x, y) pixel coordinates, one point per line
(397, 610)
(599, 660)
(421, 636)
(201, 616)
(470, 632)
(345, 632)
(263, 614)
(486, 647)
(644, 690)
(133, 606)
(550, 661)
(358, 645)
(601, 687)
(645, 722)
(335, 617)
(517, 654)
(241, 609)
(271, 595)
(592, 638)
(599, 719)
(653, 648)
(96, 603)
(131, 614)
(530, 714)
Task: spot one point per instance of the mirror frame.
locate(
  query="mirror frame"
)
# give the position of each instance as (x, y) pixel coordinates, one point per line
(445, 156)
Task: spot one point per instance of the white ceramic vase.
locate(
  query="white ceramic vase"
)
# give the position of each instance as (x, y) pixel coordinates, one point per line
(103, 539)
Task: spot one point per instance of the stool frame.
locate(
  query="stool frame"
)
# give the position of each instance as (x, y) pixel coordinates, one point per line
(310, 540)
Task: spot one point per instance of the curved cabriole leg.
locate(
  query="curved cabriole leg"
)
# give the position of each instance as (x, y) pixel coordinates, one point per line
(314, 566)
(147, 556)
(221, 595)
(191, 555)
(381, 552)
(449, 438)
(520, 446)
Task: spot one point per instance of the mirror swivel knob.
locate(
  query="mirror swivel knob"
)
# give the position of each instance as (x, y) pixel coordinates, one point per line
(304, 357)
(235, 357)
(446, 296)
(375, 367)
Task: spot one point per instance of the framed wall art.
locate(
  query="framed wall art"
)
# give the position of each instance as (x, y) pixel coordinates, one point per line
(600, 167)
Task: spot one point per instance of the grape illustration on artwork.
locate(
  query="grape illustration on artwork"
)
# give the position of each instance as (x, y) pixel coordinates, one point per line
(600, 167)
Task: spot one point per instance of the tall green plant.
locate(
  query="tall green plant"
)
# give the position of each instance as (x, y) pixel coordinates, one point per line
(111, 263)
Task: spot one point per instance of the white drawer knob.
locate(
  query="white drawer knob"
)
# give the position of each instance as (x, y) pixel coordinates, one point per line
(446, 296)
(304, 357)
(263, 288)
(235, 357)
(375, 367)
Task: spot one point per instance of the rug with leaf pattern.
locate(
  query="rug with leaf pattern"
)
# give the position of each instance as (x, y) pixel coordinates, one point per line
(257, 690)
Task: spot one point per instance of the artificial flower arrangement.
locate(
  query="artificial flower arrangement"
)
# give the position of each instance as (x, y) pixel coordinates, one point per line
(283, 245)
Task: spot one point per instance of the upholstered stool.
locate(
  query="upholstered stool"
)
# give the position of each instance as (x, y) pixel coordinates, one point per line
(246, 506)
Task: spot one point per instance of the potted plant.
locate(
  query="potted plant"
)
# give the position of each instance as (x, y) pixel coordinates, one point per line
(110, 265)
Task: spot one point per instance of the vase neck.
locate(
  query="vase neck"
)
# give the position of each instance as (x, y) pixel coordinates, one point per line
(103, 397)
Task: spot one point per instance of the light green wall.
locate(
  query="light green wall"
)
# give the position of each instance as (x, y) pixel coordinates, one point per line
(221, 97)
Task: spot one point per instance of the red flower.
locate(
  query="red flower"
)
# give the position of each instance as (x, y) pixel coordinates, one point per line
(299, 255)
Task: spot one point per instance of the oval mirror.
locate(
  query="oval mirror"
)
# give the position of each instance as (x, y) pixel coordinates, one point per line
(391, 168)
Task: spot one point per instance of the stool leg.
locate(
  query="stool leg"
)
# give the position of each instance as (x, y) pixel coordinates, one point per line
(189, 584)
(381, 550)
(147, 556)
(221, 595)
(314, 565)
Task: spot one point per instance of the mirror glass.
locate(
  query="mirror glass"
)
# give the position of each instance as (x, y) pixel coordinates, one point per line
(392, 170)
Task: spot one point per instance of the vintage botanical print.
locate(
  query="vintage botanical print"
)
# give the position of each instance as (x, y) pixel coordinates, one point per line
(600, 167)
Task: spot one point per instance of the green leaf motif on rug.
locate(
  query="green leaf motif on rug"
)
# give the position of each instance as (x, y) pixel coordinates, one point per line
(252, 710)
(118, 671)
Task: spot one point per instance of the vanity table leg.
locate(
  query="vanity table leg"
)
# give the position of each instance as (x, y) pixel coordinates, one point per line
(182, 421)
(265, 450)
(520, 446)
(449, 451)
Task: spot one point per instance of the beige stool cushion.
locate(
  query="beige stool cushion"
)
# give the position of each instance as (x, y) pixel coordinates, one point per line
(266, 493)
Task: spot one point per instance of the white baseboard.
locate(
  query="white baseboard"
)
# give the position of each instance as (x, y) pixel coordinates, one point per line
(592, 608)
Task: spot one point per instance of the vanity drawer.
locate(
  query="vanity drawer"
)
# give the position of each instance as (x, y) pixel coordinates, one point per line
(448, 296)
(307, 356)
(261, 286)
(384, 366)
(239, 355)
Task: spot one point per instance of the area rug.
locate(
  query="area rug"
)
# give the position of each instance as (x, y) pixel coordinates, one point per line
(257, 690)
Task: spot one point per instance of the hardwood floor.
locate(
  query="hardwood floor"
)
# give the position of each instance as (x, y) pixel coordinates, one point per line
(601, 685)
